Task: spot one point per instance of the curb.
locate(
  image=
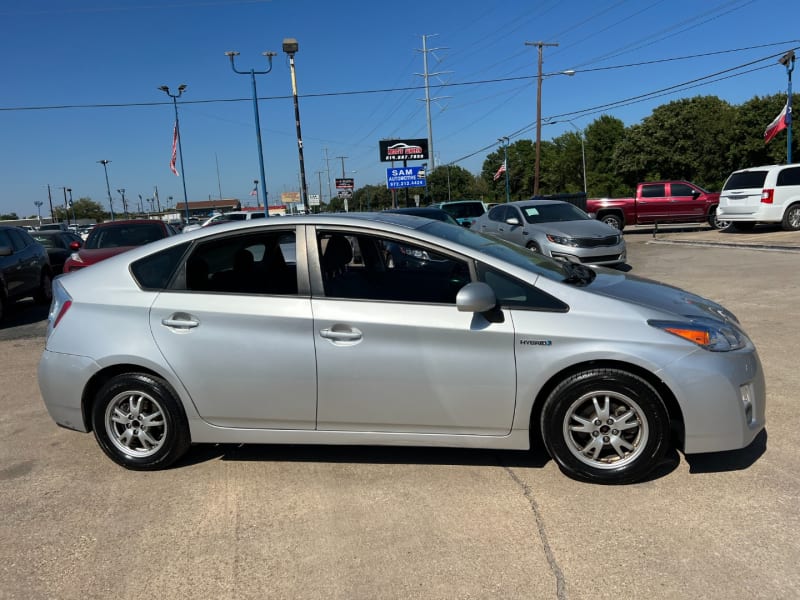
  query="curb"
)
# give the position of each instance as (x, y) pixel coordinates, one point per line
(765, 247)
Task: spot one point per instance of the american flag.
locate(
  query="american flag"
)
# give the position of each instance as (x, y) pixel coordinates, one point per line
(500, 171)
(174, 149)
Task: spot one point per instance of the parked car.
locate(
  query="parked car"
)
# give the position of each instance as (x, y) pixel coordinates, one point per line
(463, 211)
(429, 212)
(236, 215)
(659, 202)
(768, 194)
(59, 246)
(54, 227)
(115, 237)
(24, 268)
(556, 229)
(217, 336)
(407, 256)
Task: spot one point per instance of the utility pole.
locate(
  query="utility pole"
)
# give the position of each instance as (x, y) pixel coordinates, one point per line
(541, 46)
(50, 198)
(319, 176)
(328, 169)
(342, 159)
(426, 76)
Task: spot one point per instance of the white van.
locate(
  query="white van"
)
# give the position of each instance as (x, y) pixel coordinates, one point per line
(768, 194)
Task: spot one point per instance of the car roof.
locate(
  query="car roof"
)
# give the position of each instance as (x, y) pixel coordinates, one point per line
(129, 222)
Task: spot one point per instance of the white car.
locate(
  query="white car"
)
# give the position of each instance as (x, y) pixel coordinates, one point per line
(769, 194)
(236, 215)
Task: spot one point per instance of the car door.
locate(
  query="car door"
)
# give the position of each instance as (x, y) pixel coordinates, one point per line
(393, 352)
(652, 203)
(517, 234)
(238, 333)
(686, 203)
(29, 261)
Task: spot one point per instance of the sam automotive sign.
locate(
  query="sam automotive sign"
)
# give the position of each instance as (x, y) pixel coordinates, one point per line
(403, 150)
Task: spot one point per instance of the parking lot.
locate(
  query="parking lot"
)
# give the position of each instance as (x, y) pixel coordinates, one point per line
(362, 522)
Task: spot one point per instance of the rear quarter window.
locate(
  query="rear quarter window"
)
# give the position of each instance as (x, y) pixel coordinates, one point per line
(745, 180)
(789, 176)
(155, 271)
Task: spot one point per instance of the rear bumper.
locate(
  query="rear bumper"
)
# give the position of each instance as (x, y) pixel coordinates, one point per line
(61, 382)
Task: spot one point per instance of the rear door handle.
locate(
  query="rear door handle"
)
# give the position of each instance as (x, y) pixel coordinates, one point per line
(341, 336)
(180, 321)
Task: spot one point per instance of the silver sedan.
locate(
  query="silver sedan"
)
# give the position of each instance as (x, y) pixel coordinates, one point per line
(556, 229)
(270, 332)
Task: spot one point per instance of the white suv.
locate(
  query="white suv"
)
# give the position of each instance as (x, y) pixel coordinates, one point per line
(236, 215)
(768, 194)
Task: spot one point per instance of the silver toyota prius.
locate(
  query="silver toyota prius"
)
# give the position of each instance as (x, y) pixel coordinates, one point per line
(299, 330)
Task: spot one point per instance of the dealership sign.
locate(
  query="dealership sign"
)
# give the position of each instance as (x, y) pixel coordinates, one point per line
(403, 149)
(404, 177)
(344, 183)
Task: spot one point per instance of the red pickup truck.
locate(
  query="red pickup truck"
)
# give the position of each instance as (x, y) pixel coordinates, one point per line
(659, 202)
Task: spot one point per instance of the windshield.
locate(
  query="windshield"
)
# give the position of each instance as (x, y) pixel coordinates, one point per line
(497, 248)
(118, 236)
(552, 213)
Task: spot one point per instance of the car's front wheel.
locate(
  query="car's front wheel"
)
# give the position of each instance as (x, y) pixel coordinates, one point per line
(139, 423)
(534, 247)
(605, 426)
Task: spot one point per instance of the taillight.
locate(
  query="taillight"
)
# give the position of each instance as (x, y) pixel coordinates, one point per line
(767, 196)
(60, 305)
(62, 312)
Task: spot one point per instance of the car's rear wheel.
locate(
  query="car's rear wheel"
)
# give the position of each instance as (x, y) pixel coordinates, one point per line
(791, 218)
(715, 222)
(614, 220)
(605, 426)
(139, 423)
(44, 295)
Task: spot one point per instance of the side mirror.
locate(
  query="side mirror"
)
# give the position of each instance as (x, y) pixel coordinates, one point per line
(512, 221)
(696, 193)
(476, 297)
(75, 245)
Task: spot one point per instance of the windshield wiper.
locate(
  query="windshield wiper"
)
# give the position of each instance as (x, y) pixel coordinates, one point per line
(578, 274)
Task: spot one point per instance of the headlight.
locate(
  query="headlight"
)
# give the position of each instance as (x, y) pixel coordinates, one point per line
(562, 240)
(713, 336)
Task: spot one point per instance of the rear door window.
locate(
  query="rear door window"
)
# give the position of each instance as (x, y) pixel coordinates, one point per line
(789, 176)
(745, 180)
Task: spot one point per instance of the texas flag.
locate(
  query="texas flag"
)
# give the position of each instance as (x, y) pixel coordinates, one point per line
(779, 124)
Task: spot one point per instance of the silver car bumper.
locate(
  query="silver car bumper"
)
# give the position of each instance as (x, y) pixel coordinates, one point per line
(61, 381)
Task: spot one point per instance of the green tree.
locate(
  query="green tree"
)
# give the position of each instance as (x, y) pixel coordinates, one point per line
(84, 208)
(451, 182)
(684, 139)
(602, 136)
(9, 217)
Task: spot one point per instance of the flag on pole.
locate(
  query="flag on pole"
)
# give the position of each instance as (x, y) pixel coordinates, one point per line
(500, 171)
(174, 149)
(778, 125)
(254, 192)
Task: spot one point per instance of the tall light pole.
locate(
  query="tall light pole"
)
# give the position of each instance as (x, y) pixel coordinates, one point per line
(72, 207)
(66, 206)
(504, 141)
(38, 204)
(787, 60)
(105, 162)
(291, 47)
(252, 72)
(121, 192)
(181, 89)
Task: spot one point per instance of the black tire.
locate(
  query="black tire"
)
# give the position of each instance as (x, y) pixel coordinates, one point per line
(534, 247)
(716, 223)
(743, 225)
(605, 426)
(44, 295)
(791, 218)
(614, 220)
(139, 423)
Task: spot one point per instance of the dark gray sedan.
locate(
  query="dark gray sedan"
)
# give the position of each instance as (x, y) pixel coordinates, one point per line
(556, 229)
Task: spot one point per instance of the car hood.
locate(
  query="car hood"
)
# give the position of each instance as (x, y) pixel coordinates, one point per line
(658, 296)
(588, 228)
(96, 255)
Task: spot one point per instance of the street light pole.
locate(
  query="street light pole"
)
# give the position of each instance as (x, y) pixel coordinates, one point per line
(105, 162)
(38, 204)
(72, 207)
(290, 47)
(252, 72)
(787, 60)
(66, 206)
(181, 89)
(541, 46)
(121, 192)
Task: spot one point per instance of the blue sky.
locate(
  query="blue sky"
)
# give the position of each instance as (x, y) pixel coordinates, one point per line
(64, 60)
